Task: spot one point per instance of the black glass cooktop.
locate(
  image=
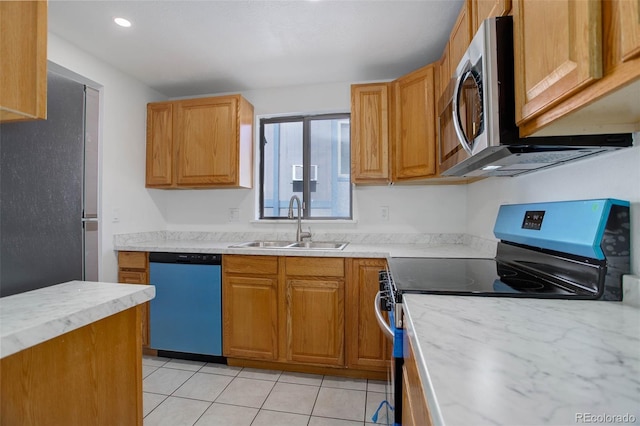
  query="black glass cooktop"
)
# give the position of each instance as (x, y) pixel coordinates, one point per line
(482, 277)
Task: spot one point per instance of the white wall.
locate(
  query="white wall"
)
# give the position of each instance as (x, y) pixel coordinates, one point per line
(429, 209)
(611, 175)
(123, 129)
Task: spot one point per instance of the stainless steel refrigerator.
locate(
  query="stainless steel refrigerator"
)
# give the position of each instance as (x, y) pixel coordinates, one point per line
(49, 192)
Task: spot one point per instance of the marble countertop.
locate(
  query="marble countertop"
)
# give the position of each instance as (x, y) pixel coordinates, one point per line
(360, 245)
(513, 361)
(33, 317)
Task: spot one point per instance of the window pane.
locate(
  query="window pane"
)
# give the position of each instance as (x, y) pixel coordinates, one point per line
(282, 152)
(330, 166)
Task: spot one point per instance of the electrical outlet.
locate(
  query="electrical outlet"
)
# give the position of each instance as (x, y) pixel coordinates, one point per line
(234, 215)
(384, 213)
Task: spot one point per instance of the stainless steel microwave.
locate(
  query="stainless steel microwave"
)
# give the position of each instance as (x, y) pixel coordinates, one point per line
(478, 135)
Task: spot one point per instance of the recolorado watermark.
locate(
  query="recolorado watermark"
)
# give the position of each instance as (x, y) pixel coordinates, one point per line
(605, 418)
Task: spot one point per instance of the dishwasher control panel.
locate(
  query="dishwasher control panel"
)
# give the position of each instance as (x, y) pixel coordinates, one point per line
(194, 258)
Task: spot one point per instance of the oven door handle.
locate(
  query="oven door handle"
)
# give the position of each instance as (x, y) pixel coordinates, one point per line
(381, 321)
(457, 125)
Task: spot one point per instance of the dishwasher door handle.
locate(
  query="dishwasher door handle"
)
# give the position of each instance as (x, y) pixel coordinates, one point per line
(384, 326)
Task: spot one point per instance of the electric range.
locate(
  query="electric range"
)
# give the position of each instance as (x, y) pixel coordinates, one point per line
(561, 250)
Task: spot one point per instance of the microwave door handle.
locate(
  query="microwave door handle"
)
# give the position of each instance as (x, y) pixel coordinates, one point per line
(381, 321)
(456, 116)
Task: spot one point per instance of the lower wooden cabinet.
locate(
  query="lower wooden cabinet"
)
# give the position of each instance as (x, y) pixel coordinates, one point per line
(415, 411)
(133, 268)
(250, 307)
(314, 313)
(303, 311)
(367, 347)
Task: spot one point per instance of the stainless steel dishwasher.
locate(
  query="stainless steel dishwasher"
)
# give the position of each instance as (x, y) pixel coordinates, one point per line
(186, 314)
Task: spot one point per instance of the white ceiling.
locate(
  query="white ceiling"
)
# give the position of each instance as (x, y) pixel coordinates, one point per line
(187, 48)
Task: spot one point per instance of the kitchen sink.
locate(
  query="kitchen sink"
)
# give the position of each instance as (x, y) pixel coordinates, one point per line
(264, 244)
(300, 245)
(319, 245)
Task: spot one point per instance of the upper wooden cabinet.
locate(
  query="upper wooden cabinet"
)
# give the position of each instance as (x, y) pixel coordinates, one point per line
(606, 105)
(370, 133)
(23, 60)
(414, 129)
(200, 143)
(629, 11)
(557, 47)
(461, 35)
(483, 9)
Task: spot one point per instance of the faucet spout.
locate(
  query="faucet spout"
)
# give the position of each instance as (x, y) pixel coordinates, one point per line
(299, 234)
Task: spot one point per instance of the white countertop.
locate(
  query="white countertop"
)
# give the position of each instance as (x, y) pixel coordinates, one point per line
(369, 245)
(513, 361)
(33, 317)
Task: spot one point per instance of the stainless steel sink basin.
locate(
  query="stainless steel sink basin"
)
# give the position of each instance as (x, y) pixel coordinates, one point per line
(319, 245)
(264, 244)
(302, 245)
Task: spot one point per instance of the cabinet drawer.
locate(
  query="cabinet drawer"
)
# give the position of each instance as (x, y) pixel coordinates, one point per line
(315, 266)
(250, 265)
(132, 277)
(132, 260)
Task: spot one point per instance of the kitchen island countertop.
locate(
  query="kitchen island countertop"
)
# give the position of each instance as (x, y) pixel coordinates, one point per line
(30, 318)
(515, 361)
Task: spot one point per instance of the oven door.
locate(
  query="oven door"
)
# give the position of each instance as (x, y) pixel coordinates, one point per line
(392, 413)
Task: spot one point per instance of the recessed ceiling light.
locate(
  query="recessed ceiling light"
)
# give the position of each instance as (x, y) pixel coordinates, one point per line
(122, 22)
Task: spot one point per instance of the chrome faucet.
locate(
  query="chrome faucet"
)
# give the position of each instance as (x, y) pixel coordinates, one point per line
(299, 234)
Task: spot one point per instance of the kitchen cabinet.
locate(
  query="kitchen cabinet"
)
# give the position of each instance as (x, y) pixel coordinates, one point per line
(90, 375)
(414, 129)
(461, 35)
(200, 143)
(629, 12)
(23, 60)
(314, 312)
(606, 105)
(415, 411)
(250, 307)
(483, 9)
(367, 347)
(553, 64)
(443, 75)
(370, 133)
(133, 268)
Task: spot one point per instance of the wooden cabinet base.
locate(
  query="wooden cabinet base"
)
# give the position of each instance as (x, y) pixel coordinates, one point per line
(310, 369)
(89, 376)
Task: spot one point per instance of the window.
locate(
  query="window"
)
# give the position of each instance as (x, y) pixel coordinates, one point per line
(307, 156)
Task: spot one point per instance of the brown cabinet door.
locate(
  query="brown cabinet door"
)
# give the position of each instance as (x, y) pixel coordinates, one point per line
(414, 147)
(370, 133)
(159, 144)
(250, 317)
(629, 28)
(444, 74)
(367, 346)
(557, 48)
(23, 63)
(206, 137)
(461, 35)
(133, 268)
(315, 321)
(483, 9)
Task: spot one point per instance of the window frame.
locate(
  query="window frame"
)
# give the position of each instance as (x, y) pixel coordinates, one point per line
(305, 119)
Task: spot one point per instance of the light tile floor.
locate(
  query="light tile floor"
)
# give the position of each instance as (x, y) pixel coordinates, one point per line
(179, 392)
